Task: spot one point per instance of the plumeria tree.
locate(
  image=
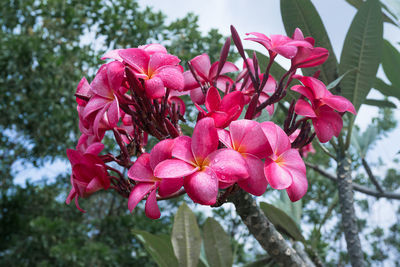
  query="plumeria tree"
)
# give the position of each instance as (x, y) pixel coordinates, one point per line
(231, 154)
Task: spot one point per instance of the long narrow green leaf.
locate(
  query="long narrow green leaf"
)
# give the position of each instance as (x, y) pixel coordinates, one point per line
(186, 239)
(358, 3)
(362, 50)
(380, 103)
(217, 244)
(386, 89)
(338, 80)
(302, 14)
(283, 222)
(391, 63)
(158, 247)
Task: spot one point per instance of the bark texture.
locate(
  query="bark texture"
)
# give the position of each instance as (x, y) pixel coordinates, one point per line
(349, 219)
(264, 231)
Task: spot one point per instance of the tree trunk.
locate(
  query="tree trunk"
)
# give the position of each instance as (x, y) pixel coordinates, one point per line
(264, 231)
(349, 219)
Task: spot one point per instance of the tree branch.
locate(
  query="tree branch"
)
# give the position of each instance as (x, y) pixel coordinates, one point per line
(264, 231)
(349, 218)
(371, 176)
(356, 187)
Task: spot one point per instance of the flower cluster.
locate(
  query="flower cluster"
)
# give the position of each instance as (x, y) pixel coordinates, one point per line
(142, 93)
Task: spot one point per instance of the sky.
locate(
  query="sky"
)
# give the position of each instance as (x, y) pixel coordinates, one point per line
(264, 16)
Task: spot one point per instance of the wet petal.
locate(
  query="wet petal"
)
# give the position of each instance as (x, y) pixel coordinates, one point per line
(183, 149)
(151, 208)
(141, 170)
(169, 186)
(278, 177)
(202, 187)
(161, 152)
(204, 139)
(228, 165)
(138, 192)
(256, 184)
(174, 168)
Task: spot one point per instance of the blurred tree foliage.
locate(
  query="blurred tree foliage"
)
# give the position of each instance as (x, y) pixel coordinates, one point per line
(46, 46)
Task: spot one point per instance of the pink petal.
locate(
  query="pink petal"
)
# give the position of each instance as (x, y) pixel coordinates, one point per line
(305, 91)
(183, 149)
(213, 99)
(225, 138)
(94, 104)
(197, 96)
(153, 48)
(189, 81)
(278, 177)
(298, 34)
(137, 58)
(160, 152)
(248, 137)
(93, 186)
(179, 103)
(95, 148)
(161, 59)
(292, 160)
(151, 208)
(202, 65)
(141, 170)
(202, 186)
(228, 67)
(83, 89)
(113, 113)
(112, 54)
(317, 87)
(256, 184)
(277, 138)
(339, 103)
(169, 186)
(299, 186)
(115, 74)
(223, 82)
(174, 168)
(232, 99)
(74, 156)
(155, 88)
(100, 84)
(286, 51)
(204, 139)
(228, 165)
(138, 192)
(172, 77)
(303, 108)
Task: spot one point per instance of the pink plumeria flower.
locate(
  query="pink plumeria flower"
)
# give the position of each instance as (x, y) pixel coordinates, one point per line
(222, 111)
(158, 70)
(89, 173)
(149, 48)
(207, 75)
(202, 164)
(102, 110)
(305, 149)
(278, 44)
(327, 123)
(308, 56)
(285, 168)
(248, 138)
(142, 171)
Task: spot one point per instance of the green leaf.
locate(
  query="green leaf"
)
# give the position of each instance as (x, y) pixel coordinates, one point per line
(391, 63)
(363, 141)
(159, 247)
(186, 239)
(337, 81)
(358, 3)
(386, 89)
(380, 103)
(217, 244)
(302, 14)
(282, 221)
(362, 50)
